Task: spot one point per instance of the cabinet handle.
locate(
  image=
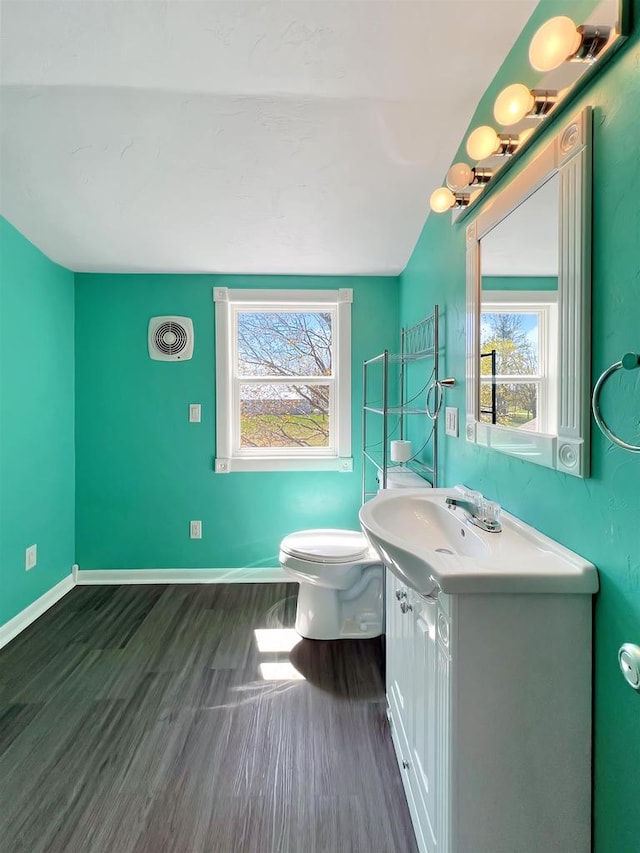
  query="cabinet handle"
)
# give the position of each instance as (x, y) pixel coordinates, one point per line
(405, 764)
(405, 606)
(401, 593)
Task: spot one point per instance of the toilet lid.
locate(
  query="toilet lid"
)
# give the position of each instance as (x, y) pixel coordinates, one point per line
(326, 546)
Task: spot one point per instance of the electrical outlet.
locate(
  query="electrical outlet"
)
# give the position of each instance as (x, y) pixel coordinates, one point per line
(451, 421)
(30, 557)
(195, 529)
(195, 412)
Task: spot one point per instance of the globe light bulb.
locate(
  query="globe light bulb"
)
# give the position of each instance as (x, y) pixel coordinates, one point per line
(459, 176)
(553, 43)
(442, 199)
(513, 104)
(483, 142)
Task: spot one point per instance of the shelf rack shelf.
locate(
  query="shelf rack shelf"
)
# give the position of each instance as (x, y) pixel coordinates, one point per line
(414, 465)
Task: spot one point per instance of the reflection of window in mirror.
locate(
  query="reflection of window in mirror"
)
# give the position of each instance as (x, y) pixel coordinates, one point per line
(518, 318)
(518, 361)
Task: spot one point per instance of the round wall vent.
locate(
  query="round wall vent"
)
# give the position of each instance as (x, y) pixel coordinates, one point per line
(170, 338)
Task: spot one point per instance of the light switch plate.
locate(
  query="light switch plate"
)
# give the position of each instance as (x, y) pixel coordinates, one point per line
(30, 557)
(195, 411)
(451, 421)
(195, 529)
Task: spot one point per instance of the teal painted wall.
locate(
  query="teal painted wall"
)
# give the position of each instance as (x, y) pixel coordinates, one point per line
(520, 282)
(37, 479)
(598, 517)
(143, 471)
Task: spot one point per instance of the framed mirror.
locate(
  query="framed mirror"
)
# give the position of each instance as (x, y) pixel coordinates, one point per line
(528, 308)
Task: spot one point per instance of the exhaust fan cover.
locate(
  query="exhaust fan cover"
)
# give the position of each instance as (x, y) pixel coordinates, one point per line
(170, 338)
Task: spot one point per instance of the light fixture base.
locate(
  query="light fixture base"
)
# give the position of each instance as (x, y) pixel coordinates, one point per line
(592, 43)
(481, 177)
(543, 102)
(461, 200)
(508, 144)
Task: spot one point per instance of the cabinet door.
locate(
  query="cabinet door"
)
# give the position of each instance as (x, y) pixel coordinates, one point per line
(431, 727)
(391, 634)
(399, 648)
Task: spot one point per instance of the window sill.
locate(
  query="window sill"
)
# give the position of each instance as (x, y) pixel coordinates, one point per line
(343, 464)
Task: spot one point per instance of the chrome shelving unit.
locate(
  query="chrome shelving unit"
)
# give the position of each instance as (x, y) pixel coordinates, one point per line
(418, 343)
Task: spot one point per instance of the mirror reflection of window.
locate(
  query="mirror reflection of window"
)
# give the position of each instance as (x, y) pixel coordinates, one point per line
(514, 381)
(518, 320)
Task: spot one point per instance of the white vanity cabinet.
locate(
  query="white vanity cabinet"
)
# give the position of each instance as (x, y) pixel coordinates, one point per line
(418, 693)
(490, 710)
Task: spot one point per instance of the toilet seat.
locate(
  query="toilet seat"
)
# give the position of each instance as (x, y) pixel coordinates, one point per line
(328, 546)
(341, 580)
(340, 577)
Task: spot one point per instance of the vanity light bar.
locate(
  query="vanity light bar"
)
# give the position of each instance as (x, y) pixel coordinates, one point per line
(558, 40)
(484, 142)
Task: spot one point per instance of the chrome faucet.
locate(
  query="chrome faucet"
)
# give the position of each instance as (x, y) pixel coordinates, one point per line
(484, 514)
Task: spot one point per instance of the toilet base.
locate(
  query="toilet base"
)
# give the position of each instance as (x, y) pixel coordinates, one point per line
(330, 614)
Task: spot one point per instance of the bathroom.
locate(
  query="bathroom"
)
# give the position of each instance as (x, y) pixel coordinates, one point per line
(101, 467)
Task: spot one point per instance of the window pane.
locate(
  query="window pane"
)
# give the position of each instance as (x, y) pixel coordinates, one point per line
(516, 405)
(284, 415)
(284, 343)
(515, 339)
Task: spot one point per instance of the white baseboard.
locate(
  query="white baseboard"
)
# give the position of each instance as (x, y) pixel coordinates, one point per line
(23, 619)
(152, 576)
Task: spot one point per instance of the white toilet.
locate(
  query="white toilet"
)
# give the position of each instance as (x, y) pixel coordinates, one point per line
(341, 577)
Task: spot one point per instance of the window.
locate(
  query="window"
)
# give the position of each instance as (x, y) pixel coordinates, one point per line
(283, 380)
(518, 360)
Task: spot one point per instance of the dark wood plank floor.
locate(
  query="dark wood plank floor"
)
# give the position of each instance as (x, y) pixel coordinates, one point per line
(135, 719)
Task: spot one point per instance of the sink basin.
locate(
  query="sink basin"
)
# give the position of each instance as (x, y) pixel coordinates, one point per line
(433, 547)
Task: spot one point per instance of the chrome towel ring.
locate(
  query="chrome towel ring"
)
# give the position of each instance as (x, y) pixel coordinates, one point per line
(629, 361)
(438, 389)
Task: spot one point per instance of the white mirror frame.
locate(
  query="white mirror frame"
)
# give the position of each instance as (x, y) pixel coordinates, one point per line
(568, 154)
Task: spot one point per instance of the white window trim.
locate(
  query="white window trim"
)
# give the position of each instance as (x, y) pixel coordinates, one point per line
(545, 304)
(229, 456)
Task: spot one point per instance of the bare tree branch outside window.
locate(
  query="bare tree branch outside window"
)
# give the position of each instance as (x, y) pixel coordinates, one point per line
(295, 344)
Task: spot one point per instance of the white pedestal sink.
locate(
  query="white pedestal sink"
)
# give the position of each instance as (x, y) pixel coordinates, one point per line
(488, 677)
(432, 546)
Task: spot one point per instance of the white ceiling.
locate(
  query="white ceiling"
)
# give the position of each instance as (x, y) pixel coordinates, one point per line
(238, 137)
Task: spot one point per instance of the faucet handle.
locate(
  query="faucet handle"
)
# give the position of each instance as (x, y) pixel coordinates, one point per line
(491, 511)
(474, 498)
